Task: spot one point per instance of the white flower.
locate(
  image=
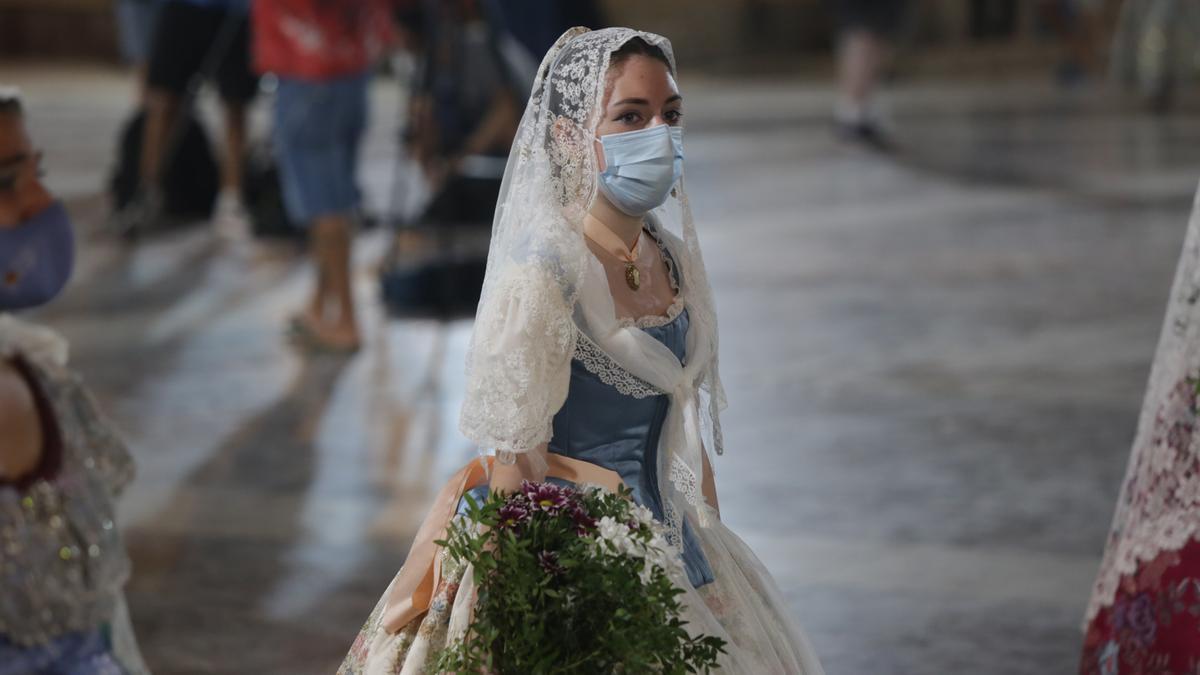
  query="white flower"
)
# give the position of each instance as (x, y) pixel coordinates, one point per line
(615, 539)
(616, 534)
(643, 515)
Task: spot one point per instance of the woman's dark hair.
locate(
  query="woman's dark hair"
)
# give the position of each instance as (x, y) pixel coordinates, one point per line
(638, 47)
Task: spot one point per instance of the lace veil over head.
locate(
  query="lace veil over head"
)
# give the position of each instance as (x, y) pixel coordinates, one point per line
(546, 298)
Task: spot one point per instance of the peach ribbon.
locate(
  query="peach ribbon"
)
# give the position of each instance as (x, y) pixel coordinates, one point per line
(414, 586)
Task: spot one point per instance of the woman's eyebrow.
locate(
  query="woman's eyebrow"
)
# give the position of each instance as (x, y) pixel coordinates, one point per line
(642, 101)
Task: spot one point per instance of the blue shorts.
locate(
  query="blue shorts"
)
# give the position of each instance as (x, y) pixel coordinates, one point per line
(72, 654)
(318, 126)
(135, 28)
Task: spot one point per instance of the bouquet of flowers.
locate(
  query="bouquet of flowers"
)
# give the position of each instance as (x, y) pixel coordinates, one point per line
(571, 581)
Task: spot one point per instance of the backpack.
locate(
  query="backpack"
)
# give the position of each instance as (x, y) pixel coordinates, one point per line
(191, 178)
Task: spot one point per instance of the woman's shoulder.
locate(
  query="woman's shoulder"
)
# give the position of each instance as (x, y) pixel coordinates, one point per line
(36, 343)
(86, 431)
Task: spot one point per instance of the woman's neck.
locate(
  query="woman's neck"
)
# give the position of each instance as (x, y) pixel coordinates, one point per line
(626, 227)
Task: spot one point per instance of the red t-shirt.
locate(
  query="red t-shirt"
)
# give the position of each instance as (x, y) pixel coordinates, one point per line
(320, 39)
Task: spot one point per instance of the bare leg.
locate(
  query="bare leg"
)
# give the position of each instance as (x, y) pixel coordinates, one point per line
(162, 109)
(232, 222)
(139, 72)
(315, 314)
(859, 61)
(340, 284)
(235, 146)
(332, 303)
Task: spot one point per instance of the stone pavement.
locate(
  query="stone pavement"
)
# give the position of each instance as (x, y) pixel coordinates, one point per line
(934, 364)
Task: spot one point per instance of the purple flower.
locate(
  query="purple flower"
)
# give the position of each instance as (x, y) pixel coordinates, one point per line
(584, 523)
(514, 512)
(1138, 616)
(548, 560)
(546, 496)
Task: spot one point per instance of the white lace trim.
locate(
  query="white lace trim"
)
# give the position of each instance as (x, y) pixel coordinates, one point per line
(656, 320)
(609, 371)
(685, 481)
(1159, 506)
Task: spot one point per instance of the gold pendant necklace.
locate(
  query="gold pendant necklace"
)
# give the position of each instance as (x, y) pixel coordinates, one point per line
(612, 245)
(633, 277)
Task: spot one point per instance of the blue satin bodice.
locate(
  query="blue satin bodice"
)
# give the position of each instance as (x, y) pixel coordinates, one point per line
(600, 425)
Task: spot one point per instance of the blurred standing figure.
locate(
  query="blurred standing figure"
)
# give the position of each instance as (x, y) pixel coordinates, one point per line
(1142, 616)
(62, 563)
(135, 32)
(466, 107)
(536, 24)
(1079, 23)
(322, 51)
(865, 27)
(199, 37)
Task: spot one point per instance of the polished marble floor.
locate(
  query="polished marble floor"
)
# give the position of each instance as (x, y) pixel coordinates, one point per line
(934, 364)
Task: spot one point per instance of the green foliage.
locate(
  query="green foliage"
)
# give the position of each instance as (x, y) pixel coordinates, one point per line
(557, 597)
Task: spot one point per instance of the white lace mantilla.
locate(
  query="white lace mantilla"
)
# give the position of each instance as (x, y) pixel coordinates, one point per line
(546, 299)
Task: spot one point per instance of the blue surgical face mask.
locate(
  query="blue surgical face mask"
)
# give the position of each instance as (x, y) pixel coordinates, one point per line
(36, 259)
(641, 167)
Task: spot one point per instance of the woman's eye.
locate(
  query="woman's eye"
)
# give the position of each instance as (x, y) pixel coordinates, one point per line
(629, 118)
(673, 116)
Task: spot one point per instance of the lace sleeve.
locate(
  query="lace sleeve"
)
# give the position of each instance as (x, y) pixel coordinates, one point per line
(519, 364)
(88, 433)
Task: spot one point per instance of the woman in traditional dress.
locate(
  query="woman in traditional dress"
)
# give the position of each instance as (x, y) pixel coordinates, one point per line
(594, 356)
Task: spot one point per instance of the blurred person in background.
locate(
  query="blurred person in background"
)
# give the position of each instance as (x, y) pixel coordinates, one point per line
(135, 34)
(322, 53)
(62, 465)
(467, 105)
(1144, 612)
(865, 29)
(536, 24)
(208, 38)
(1080, 25)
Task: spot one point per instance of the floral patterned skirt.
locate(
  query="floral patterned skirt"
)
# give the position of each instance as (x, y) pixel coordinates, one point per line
(1153, 624)
(742, 606)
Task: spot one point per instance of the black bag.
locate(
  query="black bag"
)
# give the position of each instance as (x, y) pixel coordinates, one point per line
(447, 281)
(191, 178)
(263, 196)
(444, 286)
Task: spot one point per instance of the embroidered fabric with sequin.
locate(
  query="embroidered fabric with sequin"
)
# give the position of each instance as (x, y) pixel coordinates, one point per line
(63, 563)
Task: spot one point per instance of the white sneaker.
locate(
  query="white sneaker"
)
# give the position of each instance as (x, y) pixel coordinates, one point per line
(231, 221)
